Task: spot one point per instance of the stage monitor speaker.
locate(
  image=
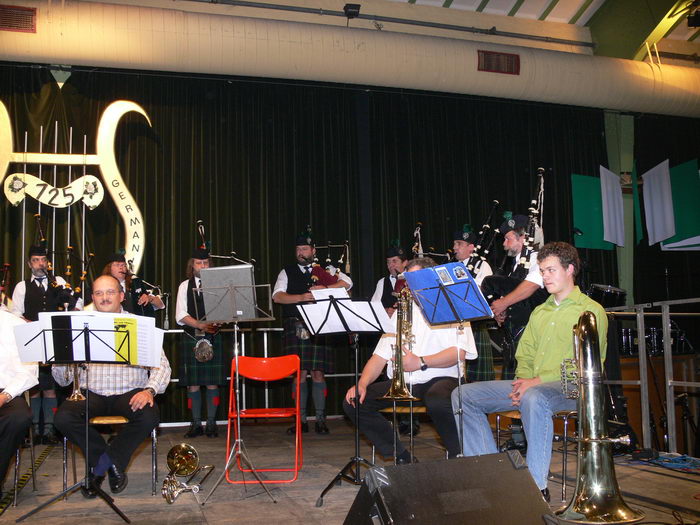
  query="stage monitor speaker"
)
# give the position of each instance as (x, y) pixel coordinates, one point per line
(495, 489)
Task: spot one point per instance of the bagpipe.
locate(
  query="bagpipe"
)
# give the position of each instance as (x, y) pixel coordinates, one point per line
(62, 296)
(328, 274)
(533, 237)
(481, 247)
(417, 248)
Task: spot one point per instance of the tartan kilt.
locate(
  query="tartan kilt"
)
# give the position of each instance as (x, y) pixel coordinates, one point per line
(46, 381)
(315, 353)
(193, 372)
(481, 368)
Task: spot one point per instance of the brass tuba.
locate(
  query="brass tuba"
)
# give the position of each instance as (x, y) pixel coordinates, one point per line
(183, 460)
(597, 497)
(404, 335)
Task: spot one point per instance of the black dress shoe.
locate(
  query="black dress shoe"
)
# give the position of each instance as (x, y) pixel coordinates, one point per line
(50, 438)
(194, 430)
(514, 445)
(211, 431)
(293, 429)
(545, 494)
(321, 427)
(118, 480)
(93, 483)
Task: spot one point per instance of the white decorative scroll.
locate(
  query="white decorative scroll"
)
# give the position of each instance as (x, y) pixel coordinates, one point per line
(134, 241)
(87, 188)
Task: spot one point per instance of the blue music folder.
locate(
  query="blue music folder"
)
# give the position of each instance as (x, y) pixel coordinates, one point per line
(448, 293)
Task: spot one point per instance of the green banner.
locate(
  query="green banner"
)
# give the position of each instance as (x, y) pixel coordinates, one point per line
(685, 187)
(588, 212)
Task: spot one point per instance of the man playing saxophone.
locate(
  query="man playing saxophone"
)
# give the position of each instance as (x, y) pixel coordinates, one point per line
(430, 368)
(536, 391)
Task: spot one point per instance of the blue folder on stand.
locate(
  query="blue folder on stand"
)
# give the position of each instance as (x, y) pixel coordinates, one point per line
(448, 294)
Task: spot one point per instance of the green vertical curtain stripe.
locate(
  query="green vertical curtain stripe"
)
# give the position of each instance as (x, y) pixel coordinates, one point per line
(588, 212)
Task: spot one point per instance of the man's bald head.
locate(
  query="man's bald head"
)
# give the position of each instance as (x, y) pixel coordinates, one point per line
(107, 295)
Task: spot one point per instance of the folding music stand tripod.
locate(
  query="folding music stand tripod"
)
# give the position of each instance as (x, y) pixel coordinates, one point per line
(352, 317)
(85, 482)
(231, 295)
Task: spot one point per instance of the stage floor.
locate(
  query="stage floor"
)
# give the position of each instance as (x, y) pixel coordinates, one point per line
(656, 490)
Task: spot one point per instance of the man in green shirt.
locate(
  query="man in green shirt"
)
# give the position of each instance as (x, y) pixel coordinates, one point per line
(536, 390)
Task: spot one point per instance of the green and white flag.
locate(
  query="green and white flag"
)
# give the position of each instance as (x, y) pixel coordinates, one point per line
(671, 199)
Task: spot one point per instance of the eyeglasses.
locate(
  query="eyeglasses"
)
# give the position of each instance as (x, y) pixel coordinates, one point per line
(100, 293)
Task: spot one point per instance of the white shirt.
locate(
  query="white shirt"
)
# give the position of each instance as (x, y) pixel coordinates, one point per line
(20, 292)
(379, 290)
(283, 280)
(112, 380)
(181, 303)
(15, 377)
(533, 274)
(429, 340)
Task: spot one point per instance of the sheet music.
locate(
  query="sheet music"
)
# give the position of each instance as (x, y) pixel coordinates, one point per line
(113, 338)
(359, 316)
(326, 293)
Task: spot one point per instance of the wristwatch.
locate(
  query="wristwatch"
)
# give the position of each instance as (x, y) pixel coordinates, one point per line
(149, 389)
(423, 364)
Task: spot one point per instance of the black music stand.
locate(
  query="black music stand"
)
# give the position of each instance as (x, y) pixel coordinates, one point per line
(351, 317)
(448, 295)
(63, 338)
(240, 299)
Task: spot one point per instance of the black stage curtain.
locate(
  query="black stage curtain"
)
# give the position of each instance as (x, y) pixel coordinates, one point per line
(258, 160)
(658, 275)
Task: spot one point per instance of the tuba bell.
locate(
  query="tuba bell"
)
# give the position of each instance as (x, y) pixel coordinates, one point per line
(597, 497)
(183, 460)
(398, 391)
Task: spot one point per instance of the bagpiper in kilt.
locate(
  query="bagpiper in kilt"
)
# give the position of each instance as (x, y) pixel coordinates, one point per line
(293, 286)
(194, 372)
(481, 368)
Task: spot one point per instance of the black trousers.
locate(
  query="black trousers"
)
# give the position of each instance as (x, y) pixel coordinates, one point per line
(15, 420)
(435, 395)
(70, 421)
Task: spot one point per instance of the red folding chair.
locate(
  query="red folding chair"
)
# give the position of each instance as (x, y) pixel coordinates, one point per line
(265, 369)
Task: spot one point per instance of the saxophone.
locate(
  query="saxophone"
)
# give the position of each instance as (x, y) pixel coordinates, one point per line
(398, 391)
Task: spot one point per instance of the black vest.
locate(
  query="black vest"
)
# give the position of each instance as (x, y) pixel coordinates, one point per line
(297, 283)
(131, 300)
(35, 300)
(388, 297)
(191, 299)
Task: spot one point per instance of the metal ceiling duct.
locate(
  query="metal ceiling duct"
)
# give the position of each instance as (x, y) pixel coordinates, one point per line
(147, 38)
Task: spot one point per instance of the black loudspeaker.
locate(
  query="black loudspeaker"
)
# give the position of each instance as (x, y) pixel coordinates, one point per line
(495, 489)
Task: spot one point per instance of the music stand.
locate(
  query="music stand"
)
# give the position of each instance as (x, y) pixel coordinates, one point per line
(448, 294)
(64, 354)
(230, 295)
(352, 317)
